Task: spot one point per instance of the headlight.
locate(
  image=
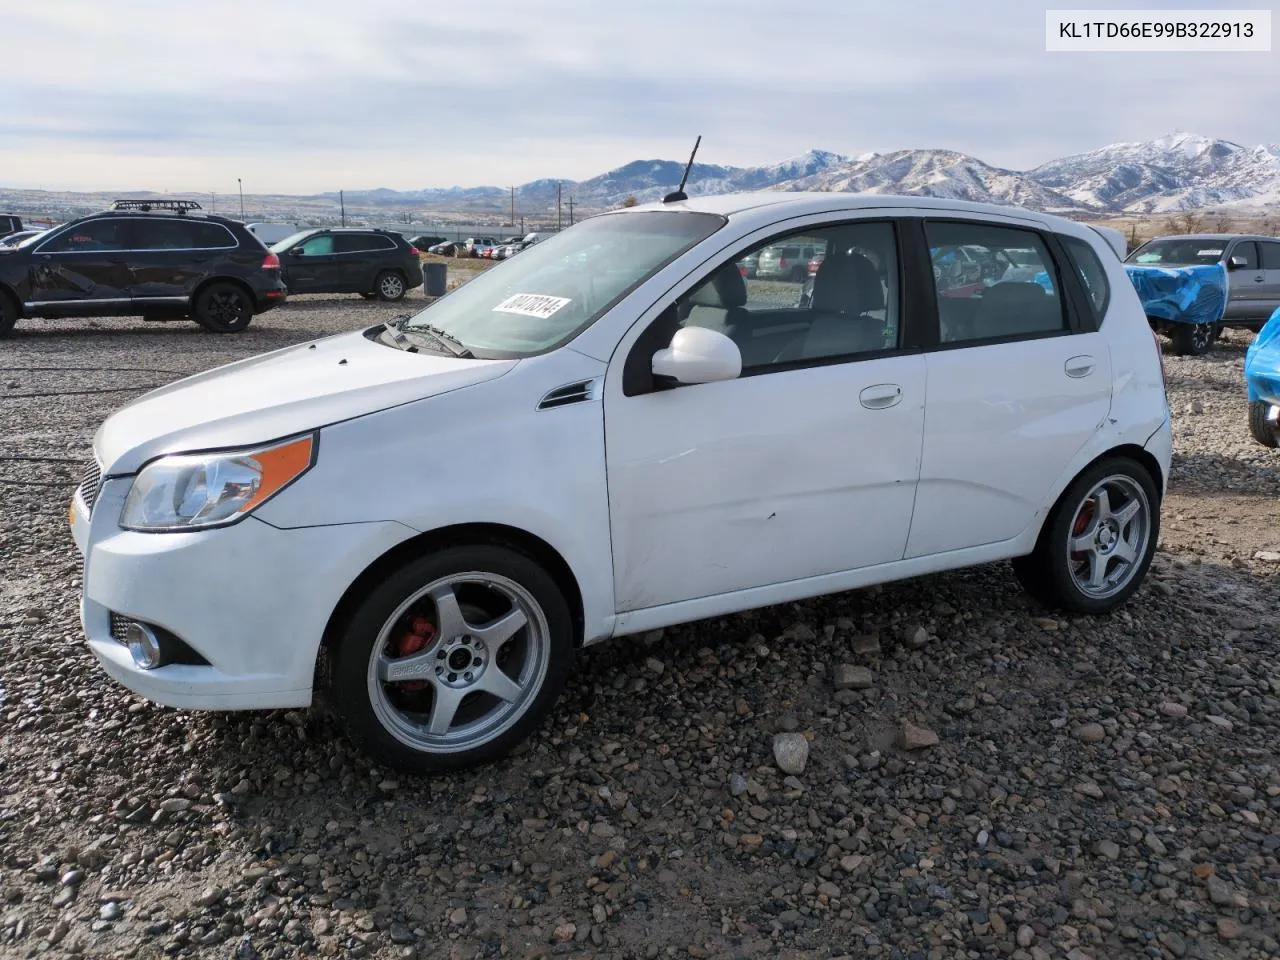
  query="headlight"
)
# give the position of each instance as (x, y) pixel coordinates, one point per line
(200, 490)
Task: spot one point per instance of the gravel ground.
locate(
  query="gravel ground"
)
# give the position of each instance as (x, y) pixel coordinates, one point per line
(965, 777)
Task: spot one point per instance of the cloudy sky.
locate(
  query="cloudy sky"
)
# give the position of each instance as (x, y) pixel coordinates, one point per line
(300, 96)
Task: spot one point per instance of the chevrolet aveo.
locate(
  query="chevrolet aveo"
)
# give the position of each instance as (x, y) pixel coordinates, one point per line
(619, 430)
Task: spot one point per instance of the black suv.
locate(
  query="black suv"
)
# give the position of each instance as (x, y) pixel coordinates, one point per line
(372, 263)
(156, 258)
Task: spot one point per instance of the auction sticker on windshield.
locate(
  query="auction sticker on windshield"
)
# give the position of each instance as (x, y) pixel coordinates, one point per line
(532, 305)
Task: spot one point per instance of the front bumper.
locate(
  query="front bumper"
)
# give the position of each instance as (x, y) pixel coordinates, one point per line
(251, 599)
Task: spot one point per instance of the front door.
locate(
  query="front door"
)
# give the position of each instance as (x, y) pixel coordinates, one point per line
(82, 270)
(1014, 393)
(804, 465)
(312, 265)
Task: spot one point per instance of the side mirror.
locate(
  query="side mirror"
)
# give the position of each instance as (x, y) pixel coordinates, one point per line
(297, 252)
(1237, 263)
(698, 355)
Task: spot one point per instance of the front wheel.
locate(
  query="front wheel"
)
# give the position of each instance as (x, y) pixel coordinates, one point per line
(1264, 425)
(1098, 541)
(453, 660)
(8, 314)
(223, 308)
(389, 286)
(1192, 339)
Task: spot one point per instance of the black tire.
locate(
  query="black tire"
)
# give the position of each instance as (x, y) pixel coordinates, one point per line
(1050, 572)
(1216, 334)
(389, 286)
(8, 314)
(1192, 339)
(362, 702)
(223, 308)
(1263, 430)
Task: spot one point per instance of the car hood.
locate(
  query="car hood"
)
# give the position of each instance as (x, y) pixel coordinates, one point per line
(277, 394)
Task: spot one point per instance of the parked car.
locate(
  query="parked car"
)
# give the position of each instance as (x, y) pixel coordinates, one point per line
(9, 223)
(611, 434)
(447, 249)
(270, 233)
(15, 238)
(363, 260)
(788, 262)
(1262, 381)
(473, 245)
(161, 260)
(1252, 265)
(425, 242)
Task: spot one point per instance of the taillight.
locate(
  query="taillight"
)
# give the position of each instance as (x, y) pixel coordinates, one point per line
(272, 262)
(414, 250)
(782, 263)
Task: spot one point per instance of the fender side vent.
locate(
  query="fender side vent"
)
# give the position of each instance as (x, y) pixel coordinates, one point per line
(579, 392)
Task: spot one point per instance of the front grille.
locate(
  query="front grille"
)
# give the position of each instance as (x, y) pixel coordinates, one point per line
(90, 484)
(119, 626)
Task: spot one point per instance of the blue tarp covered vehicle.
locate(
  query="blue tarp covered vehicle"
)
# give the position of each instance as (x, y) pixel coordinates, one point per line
(1262, 378)
(1185, 302)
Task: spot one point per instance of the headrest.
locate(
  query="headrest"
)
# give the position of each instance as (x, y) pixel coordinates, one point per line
(725, 289)
(847, 283)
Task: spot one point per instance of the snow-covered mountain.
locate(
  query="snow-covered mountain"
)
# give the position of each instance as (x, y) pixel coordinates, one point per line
(937, 173)
(1180, 171)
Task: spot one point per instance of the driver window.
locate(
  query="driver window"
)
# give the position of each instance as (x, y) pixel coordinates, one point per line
(811, 295)
(316, 246)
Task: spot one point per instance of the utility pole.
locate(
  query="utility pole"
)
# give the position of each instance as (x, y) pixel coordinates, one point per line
(513, 206)
(571, 211)
(213, 201)
(241, 186)
(342, 203)
(557, 206)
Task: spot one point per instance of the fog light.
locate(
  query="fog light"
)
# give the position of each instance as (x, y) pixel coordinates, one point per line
(143, 646)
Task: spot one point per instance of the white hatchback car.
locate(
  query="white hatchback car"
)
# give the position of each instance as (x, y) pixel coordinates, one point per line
(617, 431)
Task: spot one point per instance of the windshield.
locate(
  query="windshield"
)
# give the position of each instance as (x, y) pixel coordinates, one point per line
(1179, 250)
(536, 301)
(280, 246)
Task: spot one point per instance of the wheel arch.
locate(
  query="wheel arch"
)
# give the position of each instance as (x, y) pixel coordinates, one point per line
(465, 534)
(234, 281)
(8, 291)
(1131, 451)
(398, 271)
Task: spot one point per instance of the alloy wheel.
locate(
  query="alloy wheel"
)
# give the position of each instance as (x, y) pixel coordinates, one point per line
(459, 662)
(1109, 536)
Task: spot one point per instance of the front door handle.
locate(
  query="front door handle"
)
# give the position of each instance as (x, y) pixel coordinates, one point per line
(880, 396)
(1080, 366)
(1259, 279)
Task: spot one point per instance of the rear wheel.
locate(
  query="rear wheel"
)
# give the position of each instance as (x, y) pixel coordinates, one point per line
(1098, 542)
(1263, 424)
(8, 314)
(453, 660)
(223, 308)
(1192, 339)
(389, 286)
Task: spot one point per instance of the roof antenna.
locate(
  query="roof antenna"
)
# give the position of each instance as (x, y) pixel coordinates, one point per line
(679, 193)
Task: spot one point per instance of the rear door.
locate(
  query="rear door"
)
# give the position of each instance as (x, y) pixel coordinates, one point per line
(1018, 383)
(1245, 285)
(1269, 260)
(171, 255)
(81, 270)
(361, 256)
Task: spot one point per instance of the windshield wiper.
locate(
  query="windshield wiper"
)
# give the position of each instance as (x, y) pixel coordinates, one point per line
(391, 329)
(446, 340)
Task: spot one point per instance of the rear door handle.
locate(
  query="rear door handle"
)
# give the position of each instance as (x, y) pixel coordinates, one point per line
(1080, 366)
(880, 395)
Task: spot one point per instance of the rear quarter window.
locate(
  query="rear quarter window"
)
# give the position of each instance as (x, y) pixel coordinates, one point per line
(1093, 276)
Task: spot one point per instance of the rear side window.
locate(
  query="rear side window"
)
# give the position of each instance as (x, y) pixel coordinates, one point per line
(1270, 255)
(355, 242)
(992, 282)
(1091, 273)
(207, 236)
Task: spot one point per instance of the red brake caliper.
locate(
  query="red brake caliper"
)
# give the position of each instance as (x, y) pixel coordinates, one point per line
(420, 635)
(1081, 525)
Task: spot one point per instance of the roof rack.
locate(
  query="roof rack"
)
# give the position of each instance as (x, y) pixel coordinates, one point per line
(182, 206)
